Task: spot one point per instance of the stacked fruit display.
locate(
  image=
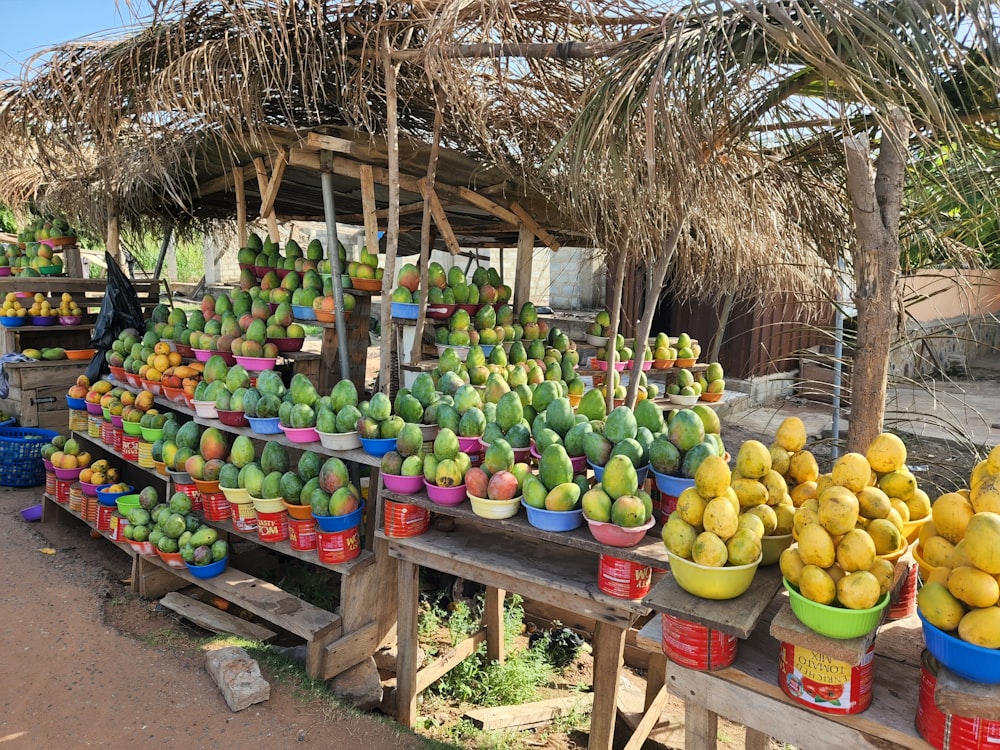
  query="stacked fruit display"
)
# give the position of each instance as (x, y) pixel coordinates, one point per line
(45, 229)
(446, 465)
(557, 424)
(961, 546)
(617, 499)
(339, 413)
(365, 268)
(408, 458)
(849, 532)
(621, 435)
(66, 453)
(451, 287)
(555, 487)
(12, 307)
(377, 420)
(691, 436)
(100, 472)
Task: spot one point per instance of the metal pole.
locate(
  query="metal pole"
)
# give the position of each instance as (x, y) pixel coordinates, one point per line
(838, 354)
(333, 252)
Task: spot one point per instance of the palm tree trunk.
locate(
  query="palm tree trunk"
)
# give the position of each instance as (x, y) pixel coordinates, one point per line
(876, 205)
(616, 315)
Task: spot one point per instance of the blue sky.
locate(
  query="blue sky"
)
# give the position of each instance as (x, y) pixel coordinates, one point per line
(32, 25)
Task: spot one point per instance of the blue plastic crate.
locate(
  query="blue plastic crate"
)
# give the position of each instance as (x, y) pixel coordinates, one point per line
(21, 455)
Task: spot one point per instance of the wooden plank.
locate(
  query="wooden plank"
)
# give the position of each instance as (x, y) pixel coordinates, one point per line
(961, 697)
(408, 592)
(466, 196)
(349, 650)
(154, 581)
(214, 619)
(493, 618)
(262, 182)
(609, 642)
(383, 213)
(357, 605)
(787, 628)
(226, 180)
(547, 239)
(368, 204)
(241, 206)
(701, 727)
(737, 616)
(449, 660)
(522, 274)
(561, 575)
(529, 715)
(440, 217)
(278, 164)
(649, 720)
(756, 740)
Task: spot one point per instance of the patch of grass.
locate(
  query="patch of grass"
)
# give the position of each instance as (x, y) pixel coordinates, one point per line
(171, 638)
(466, 734)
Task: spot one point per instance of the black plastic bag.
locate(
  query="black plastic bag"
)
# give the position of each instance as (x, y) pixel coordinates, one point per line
(119, 310)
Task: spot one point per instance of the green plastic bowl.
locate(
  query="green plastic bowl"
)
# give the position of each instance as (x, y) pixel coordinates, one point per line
(835, 622)
(126, 503)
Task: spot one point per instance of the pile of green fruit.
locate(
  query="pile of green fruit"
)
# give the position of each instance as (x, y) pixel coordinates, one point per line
(617, 498)
(408, 458)
(691, 436)
(341, 414)
(625, 433)
(172, 527)
(451, 287)
(554, 487)
(446, 466)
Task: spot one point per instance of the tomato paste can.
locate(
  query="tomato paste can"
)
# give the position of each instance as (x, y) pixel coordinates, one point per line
(244, 516)
(338, 546)
(130, 448)
(78, 420)
(302, 533)
(668, 504)
(145, 459)
(50, 483)
(697, 646)
(405, 520)
(623, 579)
(62, 490)
(94, 422)
(194, 495)
(107, 433)
(272, 527)
(118, 524)
(949, 731)
(214, 505)
(90, 508)
(76, 498)
(117, 435)
(824, 684)
(104, 513)
(905, 603)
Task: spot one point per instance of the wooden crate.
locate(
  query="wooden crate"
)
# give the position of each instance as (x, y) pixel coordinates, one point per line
(38, 392)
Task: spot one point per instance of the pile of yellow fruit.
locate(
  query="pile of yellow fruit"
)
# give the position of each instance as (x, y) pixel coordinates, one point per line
(42, 308)
(962, 546)
(12, 307)
(67, 306)
(161, 360)
(851, 523)
(100, 472)
(711, 526)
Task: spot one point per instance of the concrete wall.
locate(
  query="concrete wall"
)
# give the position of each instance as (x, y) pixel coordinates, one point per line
(945, 294)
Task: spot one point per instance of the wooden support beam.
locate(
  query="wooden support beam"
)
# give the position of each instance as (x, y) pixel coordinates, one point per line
(533, 225)
(241, 207)
(213, 619)
(469, 197)
(448, 661)
(382, 213)
(522, 273)
(440, 217)
(368, 204)
(262, 183)
(113, 242)
(350, 649)
(332, 143)
(493, 615)
(278, 164)
(529, 715)
(225, 181)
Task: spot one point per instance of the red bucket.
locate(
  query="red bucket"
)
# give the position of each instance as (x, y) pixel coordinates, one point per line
(117, 434)
(302, 534)
(338, 546)
(830, 686)
(244, 516)
(905, 603)
(130, 447)
(197, 504)
(107, 433)
(697, 646)
(214, 505)
(404, 520)
(948, 731)
(104, 513)
(272, 527)
(62, 490)
(50, 483)
(623, 579)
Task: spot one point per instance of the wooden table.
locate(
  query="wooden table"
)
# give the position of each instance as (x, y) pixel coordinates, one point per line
(508, 560)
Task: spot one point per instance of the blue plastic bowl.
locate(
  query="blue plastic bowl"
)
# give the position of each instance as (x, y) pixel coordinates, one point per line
(598, 470)
(264, 425)
(10, 321)
(642, 472)
(76, 403)
(340, 523)
(304, 312)
(554, 520)
(670, 485)
(207, 571)
(111, 498)
(405, 310)
(378, 446)
(967, 660)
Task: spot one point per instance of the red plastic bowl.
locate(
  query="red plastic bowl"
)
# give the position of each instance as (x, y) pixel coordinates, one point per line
(287, 344)
(233, 418)
(617, 536)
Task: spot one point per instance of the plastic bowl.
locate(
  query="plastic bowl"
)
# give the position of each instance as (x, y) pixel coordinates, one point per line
(378, 446)
(96, 409)
(70, 320)
(207, 486)
(676, 398)
(405, 485)
(771, 548)
(67, 475)
(440, 312)
(126, 503)
(265, 425)
(430, 431)
(205, 409)
(446, 495)
(835, 622)
(299, 512)
(340, 441)
(117, 421)
(151, 434)
(143, 548)
(43, 320)
(726, 582)
(598, 470)
(76, 403)
(911, 529)
(180, 477)
(302, 312)
(366, 285)
(185, 350)
(32, 513)
(596, 340)
(461, 351)
(267, 504)
(470, 445)
(111, 498)
(202, 355)
(646, 364)
(236, 495)
(287, 344)
(404, 310)
(132, 428)
(710, 398)
(967, 660)
(671, 485)
(925, 568)
(176, 395)
(894, 556)
(662, 364)
(232, 418)
(91, 489)
(300, 434)
(494, 509)
(618, 536)
(340, 523)
(553, 520)
(207, 571)
(256, 364)
(118, 373)
(12, 321)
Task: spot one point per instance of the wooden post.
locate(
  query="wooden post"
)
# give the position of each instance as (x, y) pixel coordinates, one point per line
(392, 231)
(493, 616)
(408, 587)
(416, 352)
(525, 258)
(616, 314)
(241, 206)
(73, 262)
(609, 648)
(369, 208)
(262, 185)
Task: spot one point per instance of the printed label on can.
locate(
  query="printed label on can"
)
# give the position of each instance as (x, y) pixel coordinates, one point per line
(272, 527)
(826, 684)
(623, 579)
(338, 546)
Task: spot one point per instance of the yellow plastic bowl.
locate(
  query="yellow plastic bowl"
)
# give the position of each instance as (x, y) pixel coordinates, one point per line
(494, 509)
(726, 582)
(894, 556)
(923, 566)
(268, 505)
(772, 547)
(911, 529)
(236, 495)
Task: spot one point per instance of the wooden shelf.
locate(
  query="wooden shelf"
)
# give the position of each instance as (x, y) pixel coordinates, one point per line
(648, 552)
(53, 503)
(129, 465)
(52, 329)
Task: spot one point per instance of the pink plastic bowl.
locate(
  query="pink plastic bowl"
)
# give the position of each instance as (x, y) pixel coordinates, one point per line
(300, 434)
(617, 536)
(405, 485)
(446, 495)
